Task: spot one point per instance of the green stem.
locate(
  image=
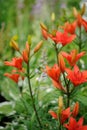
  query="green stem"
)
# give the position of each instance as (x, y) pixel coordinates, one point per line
(59, 120)
(67, 84)
(32, 98)
(68, 99)
(67, 93)
(25, 106)
(60, 127)
(56, 53)
(21, 98)
(80, 39)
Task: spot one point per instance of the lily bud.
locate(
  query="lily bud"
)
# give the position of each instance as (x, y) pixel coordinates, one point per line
(53, 17)
(27, 47)
(75, 109)
(60, 102)
(83, 9)
(25, 56)
(38, 46)
(43, 26)
(44, 31)
(14, 45)
(75, 12)
(29, 39)
(61, 62)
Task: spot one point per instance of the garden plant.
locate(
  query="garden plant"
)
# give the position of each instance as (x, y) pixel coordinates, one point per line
(65, 73)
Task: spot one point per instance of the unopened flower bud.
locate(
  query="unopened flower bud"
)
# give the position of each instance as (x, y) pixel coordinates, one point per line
(43, 26)
(44, 31)
(75, 109)
(61, 62)
(38, 46)
(27, 47)
(53, 17)
(75, 12)
(14, 45)
(25, 56)
(83, 9)
(29, 39)
(53, 114)
(60, 102)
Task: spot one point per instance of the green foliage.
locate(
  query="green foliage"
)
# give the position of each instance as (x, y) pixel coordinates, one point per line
(7, 108)
(74, 3)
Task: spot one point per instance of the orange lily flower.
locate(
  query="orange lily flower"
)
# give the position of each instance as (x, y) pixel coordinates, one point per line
(84, 23)
(54, 74)
(14, 77)
(73, 125)
(78, 16)
(62, 37)
(73, 57)
(70, 27)
(16, 62)
(76, 77)
(19, 71)
(64, 115)
(81, 22)
(53, 114)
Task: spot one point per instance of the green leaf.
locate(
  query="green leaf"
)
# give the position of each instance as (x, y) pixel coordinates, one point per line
(82, 99)
(2, 128)
(9, 90)
(7, 108)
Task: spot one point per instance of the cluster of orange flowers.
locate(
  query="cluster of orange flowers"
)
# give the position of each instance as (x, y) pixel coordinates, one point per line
(17, 62)
(73, 77)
